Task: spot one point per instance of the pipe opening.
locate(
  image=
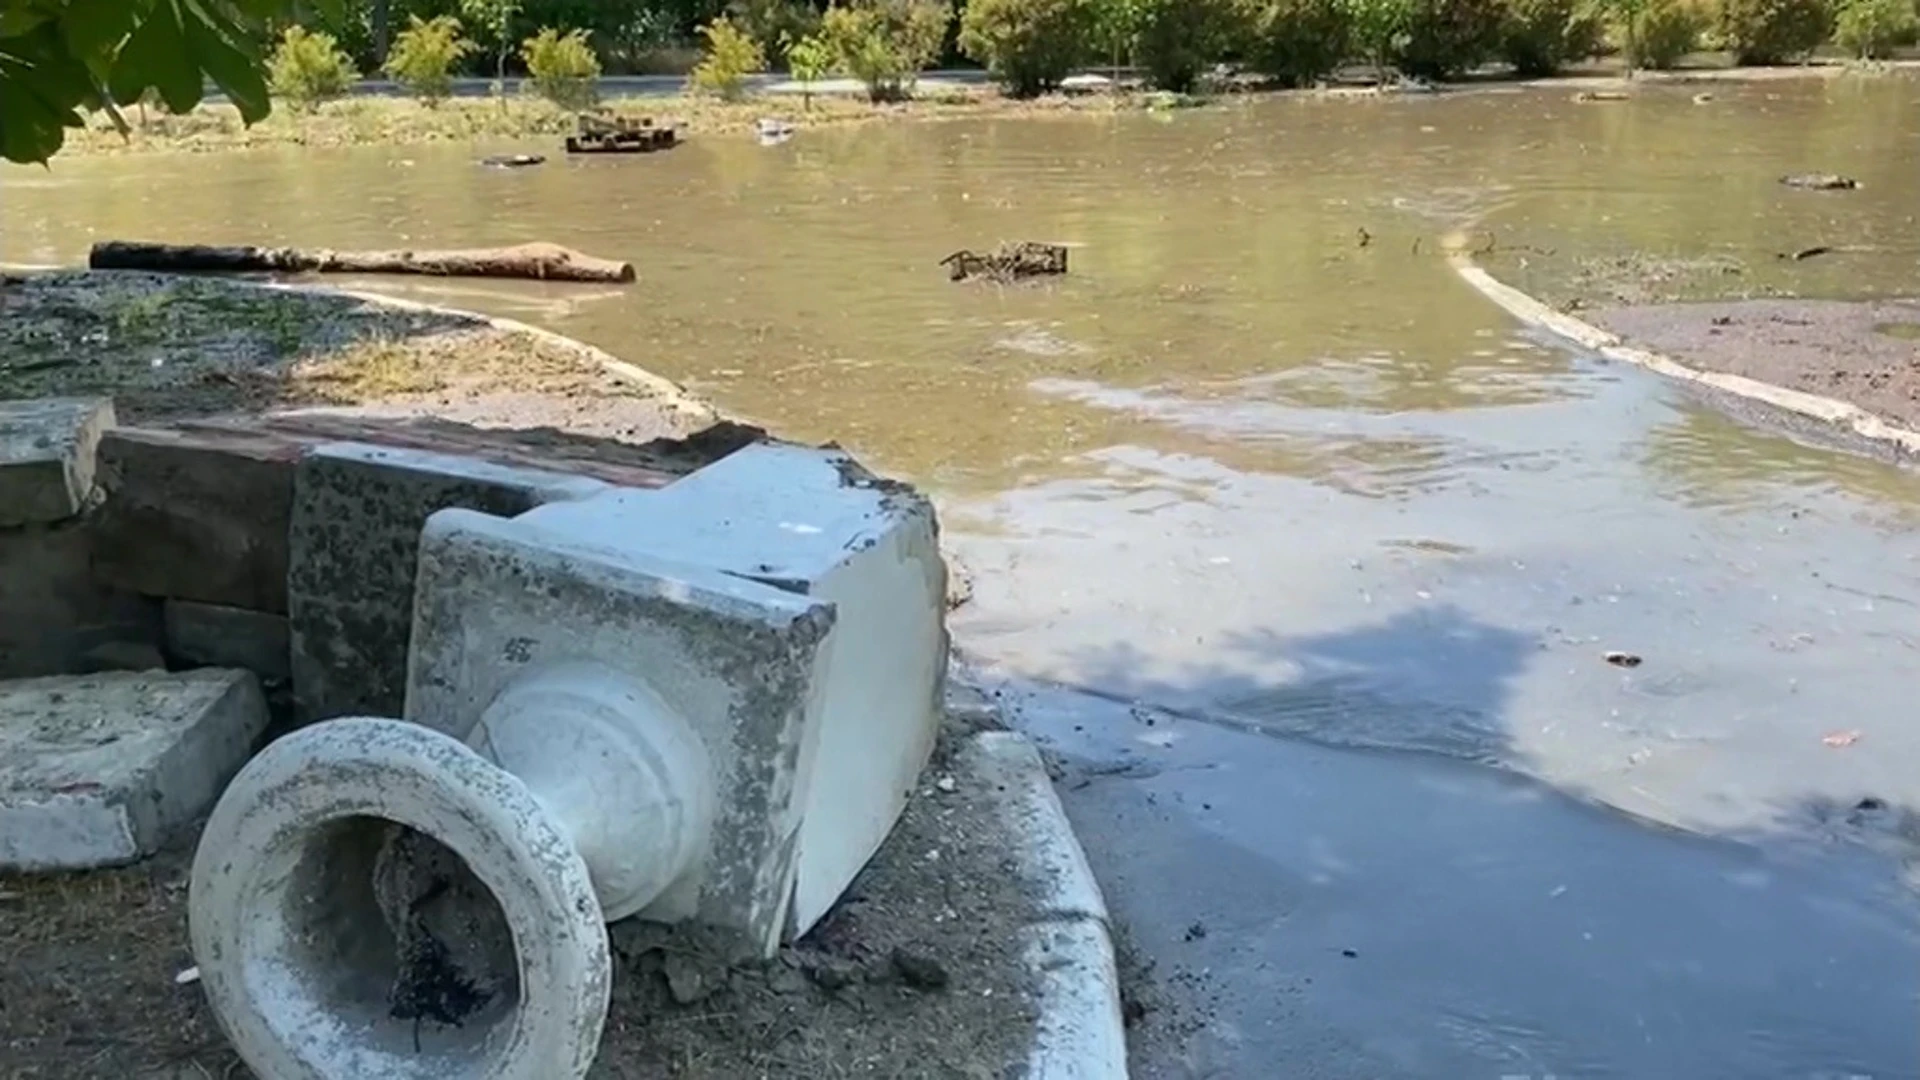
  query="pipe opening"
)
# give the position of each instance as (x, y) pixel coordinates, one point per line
(378, 948)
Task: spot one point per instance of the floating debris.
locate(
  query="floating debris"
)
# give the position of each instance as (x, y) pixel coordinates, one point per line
(513, 161)
(1622, 659)
(1601, 95)
(1009, 263)
(1820, 182)
(604, 133)
(773, 132)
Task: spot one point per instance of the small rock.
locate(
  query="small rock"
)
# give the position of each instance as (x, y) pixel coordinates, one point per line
(187, 977)
(1197, 931)
(918, 970)
(832, 975)
(946, 784)
(788, 982)
(1622, 659)
(687, 982)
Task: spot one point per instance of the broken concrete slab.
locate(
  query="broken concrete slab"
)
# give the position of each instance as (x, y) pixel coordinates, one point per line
(504, 607)
(214, 635)
(813, 522)
(47, 453)
(353, 541)
(97, 770)
(196, 515)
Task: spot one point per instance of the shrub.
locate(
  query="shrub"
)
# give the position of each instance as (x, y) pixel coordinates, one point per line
(1179, 39)
(1872, 29)
(809, 60)
(886, 43)
(1297, 42)
(563, 67)
(731, 57)
(1377, 27)
(1116, 27)
(1773, 31)
(1539, 37)
(1446, 38)
(1657, 34)
(1028, 45)
(423, 55)
(774, 23)
(307, 68)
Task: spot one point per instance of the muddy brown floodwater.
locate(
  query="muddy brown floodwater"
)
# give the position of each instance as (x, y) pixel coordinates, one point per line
(1281, 536)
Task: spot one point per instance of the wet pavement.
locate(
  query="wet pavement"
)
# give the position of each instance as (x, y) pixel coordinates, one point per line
(1301, 559)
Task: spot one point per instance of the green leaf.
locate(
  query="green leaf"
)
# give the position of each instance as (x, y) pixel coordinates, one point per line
(95, 28)
(41, 88)
(17, 19)
(230, 57)
(156, 55)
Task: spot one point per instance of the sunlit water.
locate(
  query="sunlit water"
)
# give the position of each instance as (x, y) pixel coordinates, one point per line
(1261, 462)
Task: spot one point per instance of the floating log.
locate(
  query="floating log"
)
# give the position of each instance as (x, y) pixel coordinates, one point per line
(512, 161)
(1600, 95)
(1008, 263)
(541, 262)
(1820, 182)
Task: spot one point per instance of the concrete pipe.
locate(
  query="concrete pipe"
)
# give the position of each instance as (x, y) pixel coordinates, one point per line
(374, 898)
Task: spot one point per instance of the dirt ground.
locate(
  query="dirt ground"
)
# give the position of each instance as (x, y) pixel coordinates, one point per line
(1866, 353)
(167, 346)
(912, 976)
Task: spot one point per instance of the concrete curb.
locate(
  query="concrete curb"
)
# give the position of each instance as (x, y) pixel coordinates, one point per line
(1068, 942)
(1859, 422)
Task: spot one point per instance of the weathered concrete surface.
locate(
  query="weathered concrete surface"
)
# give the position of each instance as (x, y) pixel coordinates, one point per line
(196, 515)
(813, 522)
(213, 635)
(55, 619)
(97, 770)
(740, 662)
(354, 539)
(290, 941)
(47, 457)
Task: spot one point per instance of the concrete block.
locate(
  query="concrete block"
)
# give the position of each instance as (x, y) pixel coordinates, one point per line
(97, 770)
(814, 523)
(213, 635)
(504, 605)
(353, 541)
(47, 450)
(196, 515)
(55, 618)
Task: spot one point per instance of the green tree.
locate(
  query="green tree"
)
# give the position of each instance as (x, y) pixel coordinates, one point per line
(63, 59)
(809, 60)
(1180, 39)
(731, 56)
(424, 54)
(1297, 42)
(1872, 29)
(1379, 29)
(1116, 28)
(1542, 36)
(494, 18)
(1029, 45)
(886, 43)
(563, 67)
(308, 68)
(1773, 31)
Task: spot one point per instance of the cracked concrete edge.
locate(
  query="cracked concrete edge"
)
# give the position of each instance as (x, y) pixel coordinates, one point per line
(1866, 425)
(1068, 941)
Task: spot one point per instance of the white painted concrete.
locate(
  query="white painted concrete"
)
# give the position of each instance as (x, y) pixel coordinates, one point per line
(1068, 941)
(813, 523)
(626, 778)
(295, 935)
(47, 456)
(97, 770)
(737, 662)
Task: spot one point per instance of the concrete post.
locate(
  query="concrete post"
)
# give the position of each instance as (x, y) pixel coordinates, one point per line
(375, 898)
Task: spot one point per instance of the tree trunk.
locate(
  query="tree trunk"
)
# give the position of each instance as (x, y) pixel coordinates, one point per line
(380, 33)
(541, 262)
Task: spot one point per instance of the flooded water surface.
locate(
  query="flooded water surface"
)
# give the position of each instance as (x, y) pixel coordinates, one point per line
(1259, 498)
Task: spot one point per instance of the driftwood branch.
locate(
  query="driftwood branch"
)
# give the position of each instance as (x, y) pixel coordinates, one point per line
(1009, 263)
(541, 262)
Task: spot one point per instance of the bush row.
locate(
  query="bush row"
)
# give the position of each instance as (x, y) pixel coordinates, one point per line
(1031, 44)
(308, 67)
